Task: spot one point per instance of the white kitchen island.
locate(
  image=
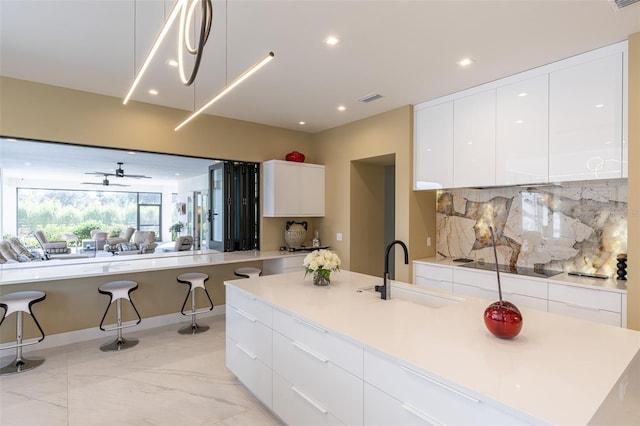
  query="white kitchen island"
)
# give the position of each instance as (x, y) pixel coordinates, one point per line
(338, 355)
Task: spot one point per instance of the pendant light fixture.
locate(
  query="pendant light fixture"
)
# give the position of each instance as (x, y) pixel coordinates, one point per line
(186, 10)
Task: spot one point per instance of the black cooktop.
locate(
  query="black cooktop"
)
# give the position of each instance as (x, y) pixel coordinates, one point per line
(518, 270)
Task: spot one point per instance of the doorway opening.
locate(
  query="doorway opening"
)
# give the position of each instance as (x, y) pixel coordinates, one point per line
(372, 203)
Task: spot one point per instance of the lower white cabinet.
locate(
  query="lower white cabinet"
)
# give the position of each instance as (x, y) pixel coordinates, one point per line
(286, 263)
(318, 384)
(248, 342)
(433, 277)
(593, 304)
(585, 303)
(416, 397)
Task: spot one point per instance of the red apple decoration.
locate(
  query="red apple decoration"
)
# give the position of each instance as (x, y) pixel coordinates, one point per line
(502, 318)
(296, 156)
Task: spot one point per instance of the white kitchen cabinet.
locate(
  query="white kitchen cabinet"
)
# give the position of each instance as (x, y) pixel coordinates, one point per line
(426, 399)
(286, 263)
(522, 134)
(586, 120)
(590, 304)
(433, 277)
(474, 140)
(315, 376)
(248, 343)
(433, 147)
(292, 189)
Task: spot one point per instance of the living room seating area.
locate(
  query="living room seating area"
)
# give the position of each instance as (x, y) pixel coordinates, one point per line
(144, 242)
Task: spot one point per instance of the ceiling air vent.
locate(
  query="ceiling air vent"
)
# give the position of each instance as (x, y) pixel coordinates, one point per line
(619, 4)
(373, 96)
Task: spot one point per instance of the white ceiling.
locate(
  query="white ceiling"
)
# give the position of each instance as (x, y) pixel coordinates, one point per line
(404, 50)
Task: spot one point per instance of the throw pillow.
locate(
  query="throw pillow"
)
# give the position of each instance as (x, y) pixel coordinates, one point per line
(128, 247)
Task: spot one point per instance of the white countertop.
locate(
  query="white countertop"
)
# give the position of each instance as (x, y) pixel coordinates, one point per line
(610, 284)
(559, 369)
(59, 269)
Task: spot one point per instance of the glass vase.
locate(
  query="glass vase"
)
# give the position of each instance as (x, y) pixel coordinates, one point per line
(321, 280)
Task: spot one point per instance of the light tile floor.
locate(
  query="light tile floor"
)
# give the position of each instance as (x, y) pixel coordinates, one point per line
(167, 379)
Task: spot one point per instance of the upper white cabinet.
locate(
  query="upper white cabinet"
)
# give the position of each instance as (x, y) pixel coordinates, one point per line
(562, 121)
(292, 189)
(522, 132)
(585, 120)
(474, 140)
(433, 159)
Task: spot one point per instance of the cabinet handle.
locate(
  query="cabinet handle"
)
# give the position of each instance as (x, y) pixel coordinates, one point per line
(309, 400)
(419, 414)
(315, 327)
(576, 305)
(310, 352)
(435, 382)
(249, 354)
(246, 315)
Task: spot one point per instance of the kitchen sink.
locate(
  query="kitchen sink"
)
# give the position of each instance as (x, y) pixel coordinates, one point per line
(414, 294)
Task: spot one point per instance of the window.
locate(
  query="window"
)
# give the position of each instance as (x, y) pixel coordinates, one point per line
(79, 212)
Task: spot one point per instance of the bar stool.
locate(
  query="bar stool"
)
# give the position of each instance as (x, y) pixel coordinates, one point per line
(118, 290)
(19, 302)
(247, 272)
(194, 280)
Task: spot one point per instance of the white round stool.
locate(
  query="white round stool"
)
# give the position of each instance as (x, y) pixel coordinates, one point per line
(194, 280)
(247, 272)
(118, 290)
(19, 302)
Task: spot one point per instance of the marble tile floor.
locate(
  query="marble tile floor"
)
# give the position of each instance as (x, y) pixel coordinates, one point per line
(167, 379)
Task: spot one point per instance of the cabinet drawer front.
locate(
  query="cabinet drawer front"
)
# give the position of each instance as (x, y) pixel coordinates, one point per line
(475, 291)
(293, 262)
(439, 273)
(585, 297)
(432, 399)
(249, 305)
(510, 283)
(381, 409)
(492, 296)
(256, 376)
(338, 391)
(296, 408)
(434, 284)
(253, 335)
(340, 352)
(591, 314)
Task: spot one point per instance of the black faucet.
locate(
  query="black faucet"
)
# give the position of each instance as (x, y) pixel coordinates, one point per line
(385, 288)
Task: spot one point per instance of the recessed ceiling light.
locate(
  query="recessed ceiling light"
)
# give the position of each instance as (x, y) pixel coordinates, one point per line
(153, 92)
(302, 123)
(131, 153)
(177, 174)
(172, 63)
(11, 140)
(608, 143)
(464, 62)
(522, 94)
(519, 121)
(342, 108)
(331, 40)
(599, 105)
(27, 164)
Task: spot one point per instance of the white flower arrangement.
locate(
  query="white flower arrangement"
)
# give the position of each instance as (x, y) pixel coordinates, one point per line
(321, 262)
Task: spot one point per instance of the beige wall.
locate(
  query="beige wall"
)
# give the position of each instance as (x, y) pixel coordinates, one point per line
(41, 112)
(633, 216)
(382, 135)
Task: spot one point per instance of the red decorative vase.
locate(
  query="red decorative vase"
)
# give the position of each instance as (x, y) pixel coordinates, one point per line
(296, 156)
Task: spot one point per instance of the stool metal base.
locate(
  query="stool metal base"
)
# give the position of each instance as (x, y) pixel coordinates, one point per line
(119, 344)
(193, 329)
(18, 366)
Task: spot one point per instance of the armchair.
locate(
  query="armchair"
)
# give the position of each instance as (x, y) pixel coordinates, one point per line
(51, 247)
(124, 237)
(183, 243)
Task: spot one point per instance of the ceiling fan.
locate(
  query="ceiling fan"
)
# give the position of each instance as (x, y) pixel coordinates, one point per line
(105, 182)
(119, 172)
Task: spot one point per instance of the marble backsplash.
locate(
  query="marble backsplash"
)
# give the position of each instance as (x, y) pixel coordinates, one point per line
(573, 226)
